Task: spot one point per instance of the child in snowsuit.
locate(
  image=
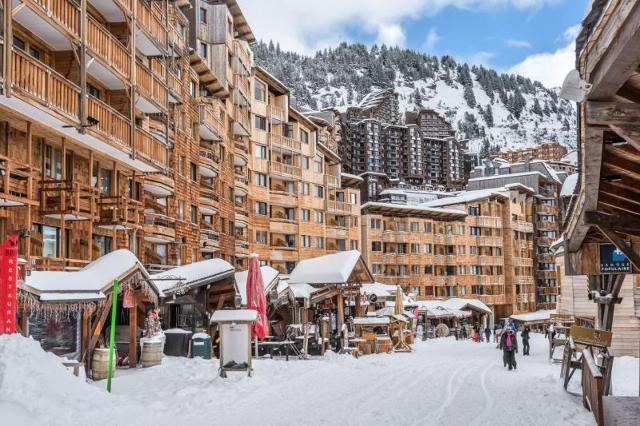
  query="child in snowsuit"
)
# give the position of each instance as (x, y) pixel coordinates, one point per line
(509, 346)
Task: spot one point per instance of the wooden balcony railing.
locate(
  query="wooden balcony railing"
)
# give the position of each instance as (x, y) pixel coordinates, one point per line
(285, 169)
(175, 85)
(209, 154)
(150, 20)
(242, 117)
(285, 142)
(16, 180)
(64, 12)
(150, 148)
(209, 195)
(241, 51)
(44, 85)
(332, 181)
(120, 211)
(60, 197)
(57, 264)
(108, 48)
(111, 124)
(177, 38)
(210, 118)
(339, 206)
(276, 113)
(150, 86)
(241, 83)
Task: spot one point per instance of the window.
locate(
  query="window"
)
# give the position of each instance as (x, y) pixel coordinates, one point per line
(428, 269)
(260, 122)
(180, 210)
(304, 136)
(427, 227)
(202, 49)
(261, 237)
(461, 230)
(474, 210)
(34, 52)
(476, 270)
(305, 215)
(473, 250)
(428, 248)
(193, 172)
(415, 248)
(415, 269)
(317, 164)
(305, 241)
(376, 246)
(415, 226)
(261, 208)
(304, 162)
(50, 240)
(260, 91)
(462, 269)
(261, 179)
(353, 244)
(104, 244)
(261, 151)
(18, 42)
(461, 250)
(93, 90)
(376, 224)
(304, 188)
(105, 181)
(376, 268)
(475, 230)
(319, 217)
(319, 242)
(203, 15)
(194, 214)
(319, 191)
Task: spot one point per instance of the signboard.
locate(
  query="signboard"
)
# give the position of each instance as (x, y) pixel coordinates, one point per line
(612, 260)
(591, 336)
(8, 283)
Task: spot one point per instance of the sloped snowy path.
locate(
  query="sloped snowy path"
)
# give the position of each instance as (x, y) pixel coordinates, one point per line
(443, 382)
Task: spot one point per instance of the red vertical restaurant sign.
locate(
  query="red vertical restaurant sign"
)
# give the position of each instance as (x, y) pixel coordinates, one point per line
(8, 283)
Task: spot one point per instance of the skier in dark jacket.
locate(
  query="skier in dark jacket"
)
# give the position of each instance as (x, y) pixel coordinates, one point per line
(525, 341)
(509, 346)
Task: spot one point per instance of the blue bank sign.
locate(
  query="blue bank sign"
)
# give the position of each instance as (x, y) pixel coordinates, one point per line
(612, 260)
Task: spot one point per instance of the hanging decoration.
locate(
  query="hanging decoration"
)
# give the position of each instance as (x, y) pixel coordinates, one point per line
(128, 301)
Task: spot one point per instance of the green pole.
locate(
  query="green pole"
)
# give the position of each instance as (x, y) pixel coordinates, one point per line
(112, 332)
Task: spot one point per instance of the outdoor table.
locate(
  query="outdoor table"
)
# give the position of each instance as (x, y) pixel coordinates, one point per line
(286, 343)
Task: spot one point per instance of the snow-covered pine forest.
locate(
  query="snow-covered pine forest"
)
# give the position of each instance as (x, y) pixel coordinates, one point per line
(493, 110)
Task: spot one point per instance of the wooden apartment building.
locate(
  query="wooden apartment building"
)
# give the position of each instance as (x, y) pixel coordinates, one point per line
(478, 244)
(552, 151)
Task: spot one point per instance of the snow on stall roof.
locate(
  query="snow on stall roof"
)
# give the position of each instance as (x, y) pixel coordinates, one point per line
(541, 315)
(269, 278)
(333, 268)
(194, 273)
(71, 296)
(569, 186)
(453, 304)
(380, 290)
(93, 278)
(302, 291)
(244, 315)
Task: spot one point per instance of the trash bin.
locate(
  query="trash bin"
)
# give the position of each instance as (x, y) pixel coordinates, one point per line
(201, 345)
(177, 342)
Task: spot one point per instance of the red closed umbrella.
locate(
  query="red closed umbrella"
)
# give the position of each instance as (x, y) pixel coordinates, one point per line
(256, 299)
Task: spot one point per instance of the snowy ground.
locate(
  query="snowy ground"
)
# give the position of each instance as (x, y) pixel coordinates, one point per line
(443, 382)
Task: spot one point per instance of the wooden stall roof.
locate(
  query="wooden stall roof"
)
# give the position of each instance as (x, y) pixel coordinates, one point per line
(607, 206)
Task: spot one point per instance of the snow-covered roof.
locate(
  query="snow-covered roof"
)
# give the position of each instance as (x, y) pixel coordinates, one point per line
(351, 176)
(569, 186)
(239, 315)
(90, 282)
(269, 278)
(571, 158)
(422, 208)
(380, 290)
(535, 172)
(302, 291)
(542, 315)
(333, 268)
(194, 274)
(452, 305)
(466, 197)
(371, 320)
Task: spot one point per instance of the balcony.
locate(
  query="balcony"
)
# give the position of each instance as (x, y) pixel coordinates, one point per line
(177, 39)
(546, 209)
(115, 10)
(284, 142)
(152, 39)
(159, 228)
(242, 248)
(152, 91)
(545, 275)
(209, 241)
(55, 22)
(546, 225)
(211, 126)
(545, 258)
(242, 122)
(339, 207)
(119, 212)
(66, 200)
(112, 125)
(485, 221)
(241, 58)
(113, 60)
(445, 280)
(159, 185)
(522, 226)
(241, 184)
(42, 84)
(285, 170)
(283, 226)
(241, 90)
(446, 239)
(336, 232)
(489, 241)
(209, 163)
(16, 180)
(242, 217)
(209, 201)
(522, 262)
(544, 241)
(390, 236)
(175, 88)
(277, 114)
(332, 181)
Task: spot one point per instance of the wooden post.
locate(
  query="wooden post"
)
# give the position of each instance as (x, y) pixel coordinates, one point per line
(63, 197)
(90, 248)
(132, 66)
(24, 323)
(340, 318)
(8, 43)
(358, 308)
(82, 55)
(133, 327)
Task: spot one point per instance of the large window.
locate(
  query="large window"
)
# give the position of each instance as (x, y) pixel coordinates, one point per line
(104, 244)
(261, 237)
(304, 136)
(261, 151)
(260, 122)
(50, 241)
(203, 15)
(260, 91)
(261, 179)
(261, 208)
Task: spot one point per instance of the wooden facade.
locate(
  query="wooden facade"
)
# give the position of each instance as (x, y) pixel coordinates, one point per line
(552, 151)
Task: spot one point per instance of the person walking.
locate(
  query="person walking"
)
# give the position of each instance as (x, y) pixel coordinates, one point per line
(525, 341)
(509, 346)
(487, 334)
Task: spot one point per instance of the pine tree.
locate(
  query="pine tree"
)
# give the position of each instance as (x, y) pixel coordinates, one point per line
(469, 96)
(417, 98)
(536, 107)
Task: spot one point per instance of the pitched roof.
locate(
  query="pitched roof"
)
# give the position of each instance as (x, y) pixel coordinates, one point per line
(194, 274)
(336, 268)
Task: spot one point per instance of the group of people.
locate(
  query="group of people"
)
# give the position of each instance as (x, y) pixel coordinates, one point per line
(509, 344)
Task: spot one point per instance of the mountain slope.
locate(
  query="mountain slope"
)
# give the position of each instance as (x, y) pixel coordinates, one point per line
(492, 110)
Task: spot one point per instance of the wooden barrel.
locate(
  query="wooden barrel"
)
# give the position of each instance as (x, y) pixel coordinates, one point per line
(151, 354)
(100, 364)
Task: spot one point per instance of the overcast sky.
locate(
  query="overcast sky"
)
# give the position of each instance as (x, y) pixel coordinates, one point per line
(532, 37)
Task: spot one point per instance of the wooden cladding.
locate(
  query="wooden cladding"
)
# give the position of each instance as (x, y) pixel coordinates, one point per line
(108, 48)
(150, 20)
(64, 12)
(44, 85)
(151, 149)
(150, 86)
(111, 124)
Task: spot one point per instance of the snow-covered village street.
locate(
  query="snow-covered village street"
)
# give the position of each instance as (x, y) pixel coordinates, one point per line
(443, 382)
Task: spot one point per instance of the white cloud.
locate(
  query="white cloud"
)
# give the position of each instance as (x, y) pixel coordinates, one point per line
(479, 58)
(305, 26)
(518, 43)
(550, 68)
(431, 40)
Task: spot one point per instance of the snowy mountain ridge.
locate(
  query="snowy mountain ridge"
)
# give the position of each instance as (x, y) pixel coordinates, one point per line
(494, 111)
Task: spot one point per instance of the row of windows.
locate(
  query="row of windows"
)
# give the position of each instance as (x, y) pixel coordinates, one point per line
(378, 268)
